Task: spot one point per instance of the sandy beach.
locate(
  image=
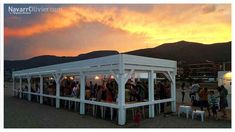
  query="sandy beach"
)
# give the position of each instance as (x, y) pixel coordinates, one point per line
(20, 113)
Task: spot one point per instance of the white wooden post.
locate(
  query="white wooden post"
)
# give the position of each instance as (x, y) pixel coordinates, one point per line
(57, 77)
(121, 100)
(173, 92)
(151, 93)
(41, 89)
(29, 88)
(82, 94)
(20, 88)
(13, 86)
(121, 92)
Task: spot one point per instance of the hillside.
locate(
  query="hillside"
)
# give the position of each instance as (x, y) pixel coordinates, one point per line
(49, 60)
(188, 52)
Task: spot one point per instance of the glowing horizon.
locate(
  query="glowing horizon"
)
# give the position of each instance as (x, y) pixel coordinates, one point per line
(80, 29)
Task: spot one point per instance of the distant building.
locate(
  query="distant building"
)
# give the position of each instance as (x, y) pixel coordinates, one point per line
(205, 70)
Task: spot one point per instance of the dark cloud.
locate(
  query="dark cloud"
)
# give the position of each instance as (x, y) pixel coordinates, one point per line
(16, 48)
(74, 40)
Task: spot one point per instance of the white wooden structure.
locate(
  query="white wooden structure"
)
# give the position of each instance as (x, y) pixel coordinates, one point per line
(121, 66)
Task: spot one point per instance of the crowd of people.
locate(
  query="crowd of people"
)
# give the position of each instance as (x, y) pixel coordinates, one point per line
(137, 91)
(106, 90)
(207, 98)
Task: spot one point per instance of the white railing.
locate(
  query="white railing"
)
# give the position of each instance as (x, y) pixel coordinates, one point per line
(138, 104)
(105, 104)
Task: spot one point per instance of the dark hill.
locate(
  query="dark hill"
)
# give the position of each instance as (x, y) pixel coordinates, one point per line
(49, 60)
(188, 52)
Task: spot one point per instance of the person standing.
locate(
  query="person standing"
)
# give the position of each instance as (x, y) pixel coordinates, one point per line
(213, 102)
(183, 91)
(99, 93)
(141, 94)
(162, 96)
(92, 90)
(223, 100)
(137, 118)
(193, 93)
(75, 90)
(37, 91)
(203, 99)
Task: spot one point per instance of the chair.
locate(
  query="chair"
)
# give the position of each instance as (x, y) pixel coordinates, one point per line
(199, 112)
(94, 107)
(184, 109)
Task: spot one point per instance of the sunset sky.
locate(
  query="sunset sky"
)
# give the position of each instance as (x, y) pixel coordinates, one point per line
(77, 29)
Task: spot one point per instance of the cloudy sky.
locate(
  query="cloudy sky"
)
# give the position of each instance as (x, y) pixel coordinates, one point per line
(75, 29)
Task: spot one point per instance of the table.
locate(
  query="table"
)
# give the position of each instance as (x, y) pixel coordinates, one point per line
(94, 107)
(103, 109)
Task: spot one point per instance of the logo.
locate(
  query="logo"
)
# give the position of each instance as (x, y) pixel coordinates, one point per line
(31, 9)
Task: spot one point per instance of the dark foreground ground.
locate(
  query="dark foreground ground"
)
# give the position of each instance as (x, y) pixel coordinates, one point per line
(24, 114)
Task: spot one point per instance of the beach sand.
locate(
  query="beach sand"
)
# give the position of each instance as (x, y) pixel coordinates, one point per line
(20, 113)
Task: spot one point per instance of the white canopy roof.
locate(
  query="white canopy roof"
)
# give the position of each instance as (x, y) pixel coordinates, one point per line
(113, 62)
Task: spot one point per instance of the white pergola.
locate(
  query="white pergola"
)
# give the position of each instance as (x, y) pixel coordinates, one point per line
(121, 66)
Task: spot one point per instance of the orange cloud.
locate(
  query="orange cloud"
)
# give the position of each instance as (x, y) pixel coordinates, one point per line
(165, 23)
(52, 21)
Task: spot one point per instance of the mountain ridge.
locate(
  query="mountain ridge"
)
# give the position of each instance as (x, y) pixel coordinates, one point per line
(189, 52)
(184, 51)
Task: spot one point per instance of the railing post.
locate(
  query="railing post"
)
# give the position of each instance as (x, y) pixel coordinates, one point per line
(121, 100)
(82, 94)
(173, 92)
(20, 91)
(13, 86)
(41, 89)
(57, 77)
(121, 92)
(151, 93)
(29, 88)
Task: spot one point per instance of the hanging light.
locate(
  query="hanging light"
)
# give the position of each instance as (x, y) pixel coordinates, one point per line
(97, 77)
(51, 78)
(228, 75)
(71, 78)
(112, 77)
(65, 77)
